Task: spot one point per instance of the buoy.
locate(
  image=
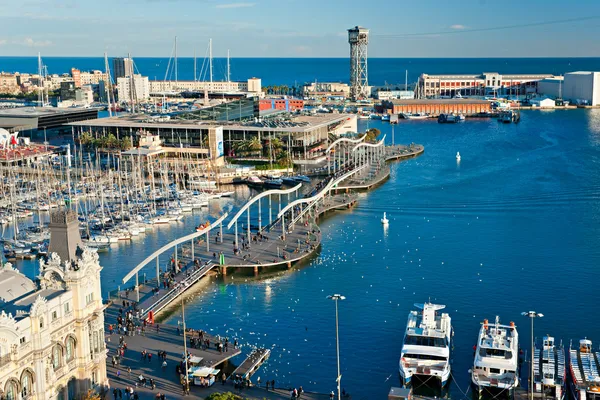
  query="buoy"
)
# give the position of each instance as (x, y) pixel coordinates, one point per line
(457, 156)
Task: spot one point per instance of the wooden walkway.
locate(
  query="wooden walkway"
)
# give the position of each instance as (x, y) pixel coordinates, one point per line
(251, 364)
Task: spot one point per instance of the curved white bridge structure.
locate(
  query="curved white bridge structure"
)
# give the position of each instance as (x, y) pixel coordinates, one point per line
(341, 157)
(314, 199)
(372, 151)
(246, 208)
(156, 255)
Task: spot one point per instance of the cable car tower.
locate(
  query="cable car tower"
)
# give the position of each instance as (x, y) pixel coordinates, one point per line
(358, 38)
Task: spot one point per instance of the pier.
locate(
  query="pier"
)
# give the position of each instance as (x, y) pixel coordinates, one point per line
(290, 235)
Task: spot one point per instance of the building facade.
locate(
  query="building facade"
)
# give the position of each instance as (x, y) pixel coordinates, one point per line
(252, 85)
(136, 87)
(88, 78)
(122, 67)
(582, 87)
(8, 83)
(52, 332)
(485, 84)
(281, 104)
(551, 87)
(437, 106)
(327, 89)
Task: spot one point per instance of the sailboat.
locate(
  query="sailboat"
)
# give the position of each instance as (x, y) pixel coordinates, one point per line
(384, 220)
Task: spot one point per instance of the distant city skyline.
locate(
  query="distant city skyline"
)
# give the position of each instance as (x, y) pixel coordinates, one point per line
(284, 28)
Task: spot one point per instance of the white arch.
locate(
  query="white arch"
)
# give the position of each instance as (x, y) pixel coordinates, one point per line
(345, 140)
(260, 196)
(174, 243)
(322, 193)
(378, 144)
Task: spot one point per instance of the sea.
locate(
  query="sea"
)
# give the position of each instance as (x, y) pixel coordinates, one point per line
(514, 226)
(297, 71)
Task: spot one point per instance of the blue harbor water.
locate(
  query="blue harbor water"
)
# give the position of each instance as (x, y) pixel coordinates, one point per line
(292, 71)
(513, 227)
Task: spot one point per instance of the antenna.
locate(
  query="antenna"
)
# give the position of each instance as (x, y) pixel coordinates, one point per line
(228, 68)
(210, 59)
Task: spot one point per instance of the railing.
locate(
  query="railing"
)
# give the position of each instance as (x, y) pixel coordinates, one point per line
(5, 360)
(183, 285)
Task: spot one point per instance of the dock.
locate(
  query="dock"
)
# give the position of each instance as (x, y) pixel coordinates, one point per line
(289, 238)
(251, 364)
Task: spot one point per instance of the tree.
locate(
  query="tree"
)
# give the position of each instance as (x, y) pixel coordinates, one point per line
(125, 143)
(224, 396)
(91, 395)
(372, 135)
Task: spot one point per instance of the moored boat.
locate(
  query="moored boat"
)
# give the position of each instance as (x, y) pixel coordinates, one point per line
(584, 365)
(549, 374)
(496, 363)
(254, 182)
(426, 347)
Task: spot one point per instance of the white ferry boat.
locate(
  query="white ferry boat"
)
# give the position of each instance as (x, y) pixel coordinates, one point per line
(583, 367)
(426, 348)
(496, 364)
(549, 372)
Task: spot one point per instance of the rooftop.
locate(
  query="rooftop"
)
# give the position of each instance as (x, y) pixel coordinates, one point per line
(33, 112)
(437, 101)
(13, 284)
(304, 123)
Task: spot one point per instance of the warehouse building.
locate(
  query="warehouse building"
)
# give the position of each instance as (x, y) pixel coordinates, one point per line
(582, 88)
(436, 106)
(485, 84)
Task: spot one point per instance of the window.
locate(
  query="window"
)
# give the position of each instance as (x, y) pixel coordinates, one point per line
(96, 342)
(425, 357)
(67, 307)
(26, 384)
(426, 341)
(70, 346)
(11, 391)
(54, 315)
(89, 298)
(22, 340)
(41, 322)
(57, 356)
(94, 378)
(495, 370)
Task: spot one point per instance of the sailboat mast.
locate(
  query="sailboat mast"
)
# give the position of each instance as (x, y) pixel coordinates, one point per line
(175, 59)
(406, 81)
(194, 65)
(228, 68)
(107, 85)
(210, 59)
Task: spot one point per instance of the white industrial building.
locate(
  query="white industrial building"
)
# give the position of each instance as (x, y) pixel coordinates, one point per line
(252, 85)
(582, 87)
(139, 83)
(551, 87)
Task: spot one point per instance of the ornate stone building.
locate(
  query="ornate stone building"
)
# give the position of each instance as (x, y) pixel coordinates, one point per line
(52, 331)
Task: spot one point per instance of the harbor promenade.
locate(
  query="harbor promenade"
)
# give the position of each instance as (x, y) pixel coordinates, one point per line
(293, 236)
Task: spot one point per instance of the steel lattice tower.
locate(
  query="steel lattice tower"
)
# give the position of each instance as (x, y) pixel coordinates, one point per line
(359, 39)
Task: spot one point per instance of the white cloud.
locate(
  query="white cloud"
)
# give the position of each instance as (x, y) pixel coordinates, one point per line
(3, 41)
(36, 43)
(235, 5)
(302, 49)
(458, 27)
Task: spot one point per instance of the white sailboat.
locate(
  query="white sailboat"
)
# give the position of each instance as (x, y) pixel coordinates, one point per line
(384, 220)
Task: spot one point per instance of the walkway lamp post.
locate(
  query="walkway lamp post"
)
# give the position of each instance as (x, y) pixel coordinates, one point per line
(532, 315)
(335, 298)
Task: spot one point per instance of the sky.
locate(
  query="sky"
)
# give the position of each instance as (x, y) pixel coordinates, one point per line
(307, 28)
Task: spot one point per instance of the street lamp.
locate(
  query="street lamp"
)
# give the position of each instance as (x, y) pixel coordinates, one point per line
(335, 298)
(532, 315)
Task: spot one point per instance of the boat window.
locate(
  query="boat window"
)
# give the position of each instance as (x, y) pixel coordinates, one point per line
(495, 370)
(426, 341)
(495, 353)
(425, 357)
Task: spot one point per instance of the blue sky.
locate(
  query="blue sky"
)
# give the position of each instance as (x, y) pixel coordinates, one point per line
(289, 28)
